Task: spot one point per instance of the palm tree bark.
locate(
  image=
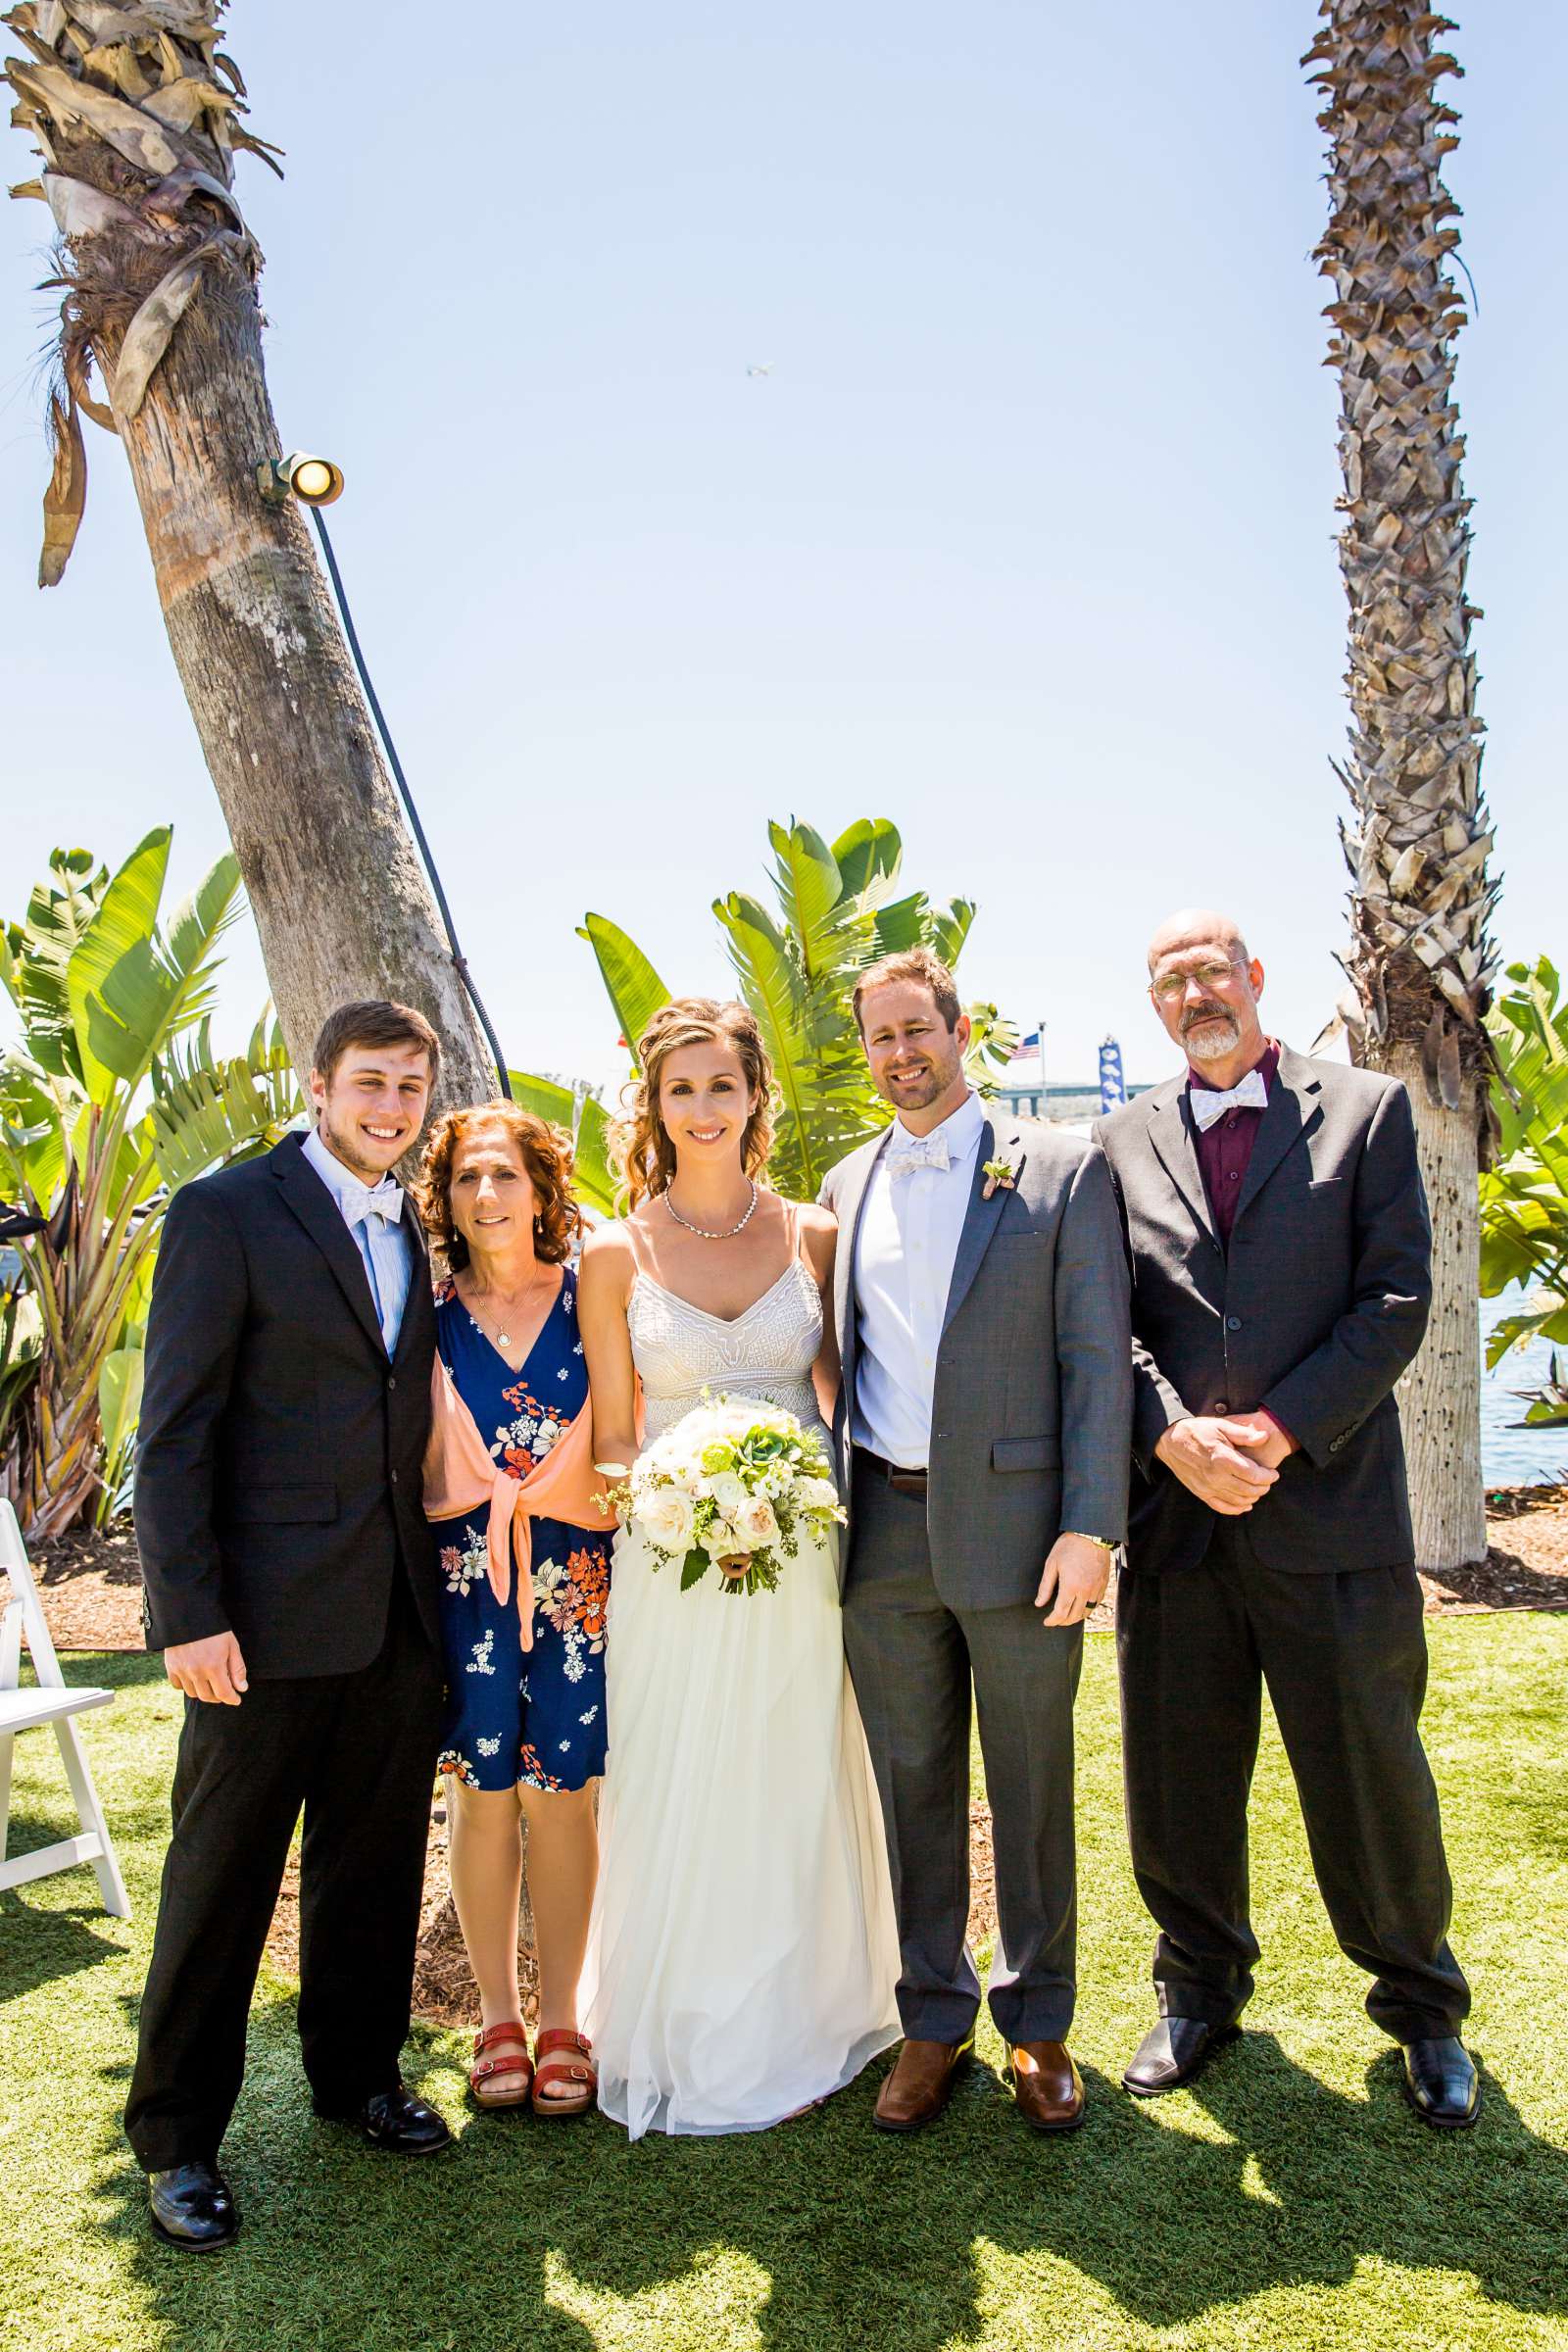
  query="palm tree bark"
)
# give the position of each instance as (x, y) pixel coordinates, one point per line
(138, 134)
(1421, 959)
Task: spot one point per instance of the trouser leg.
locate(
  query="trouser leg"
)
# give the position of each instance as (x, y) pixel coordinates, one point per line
(1191, 1706)
(910, 1671)
(362, 1867)
(239, 1783)
(1345, 1661)
(1025, 1682)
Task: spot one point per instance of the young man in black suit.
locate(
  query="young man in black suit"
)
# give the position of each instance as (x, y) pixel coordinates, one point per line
(1280, 1261)
(291, 1584)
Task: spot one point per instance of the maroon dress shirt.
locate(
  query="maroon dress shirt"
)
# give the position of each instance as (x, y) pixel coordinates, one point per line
(1225, 1150)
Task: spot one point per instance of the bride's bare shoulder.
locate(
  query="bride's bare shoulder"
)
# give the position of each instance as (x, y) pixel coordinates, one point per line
(820, 1231)
(608, 1260)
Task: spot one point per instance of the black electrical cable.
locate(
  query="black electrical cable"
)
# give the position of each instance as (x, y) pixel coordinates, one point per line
(460, 961)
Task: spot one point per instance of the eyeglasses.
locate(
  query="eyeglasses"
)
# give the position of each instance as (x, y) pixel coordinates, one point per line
(1175, 985)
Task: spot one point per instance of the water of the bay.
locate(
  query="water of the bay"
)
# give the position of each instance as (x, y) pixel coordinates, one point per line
(1510, 1456)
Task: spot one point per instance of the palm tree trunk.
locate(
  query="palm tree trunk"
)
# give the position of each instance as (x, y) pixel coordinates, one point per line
(1421, 959)
(138, 132)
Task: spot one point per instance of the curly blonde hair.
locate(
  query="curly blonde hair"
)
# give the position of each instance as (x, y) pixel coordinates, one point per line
(645, 1151)
(544, 1151)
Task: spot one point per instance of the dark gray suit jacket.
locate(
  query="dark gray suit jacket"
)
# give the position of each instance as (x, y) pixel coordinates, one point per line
(1313, 1312)
(1033, 1398)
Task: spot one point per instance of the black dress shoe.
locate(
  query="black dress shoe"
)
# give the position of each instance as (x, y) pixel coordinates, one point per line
(1440, 2083)
(396, 2120)
(1172, 2052)
(191, 2206)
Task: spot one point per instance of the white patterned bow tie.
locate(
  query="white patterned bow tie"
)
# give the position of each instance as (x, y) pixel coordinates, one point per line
(1209, 1107)
(385, 1200)
(906, 1152)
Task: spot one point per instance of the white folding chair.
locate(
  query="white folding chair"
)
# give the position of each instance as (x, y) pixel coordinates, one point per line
(53, 1703)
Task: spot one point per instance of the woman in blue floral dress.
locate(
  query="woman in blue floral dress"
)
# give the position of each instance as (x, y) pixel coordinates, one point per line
(524, 1731)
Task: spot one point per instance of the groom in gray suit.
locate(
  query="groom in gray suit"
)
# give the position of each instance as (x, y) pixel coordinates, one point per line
(981, 1302)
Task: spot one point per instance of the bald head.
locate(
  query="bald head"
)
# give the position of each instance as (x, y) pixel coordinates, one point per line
(1197, 927)
(1205, 988)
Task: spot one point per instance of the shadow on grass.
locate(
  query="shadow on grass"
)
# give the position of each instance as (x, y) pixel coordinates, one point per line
(1262, 2177)
(40, 1946)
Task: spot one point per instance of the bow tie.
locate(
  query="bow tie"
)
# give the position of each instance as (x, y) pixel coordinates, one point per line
(906, 1152)
(1209, 1106)
(385, 1200)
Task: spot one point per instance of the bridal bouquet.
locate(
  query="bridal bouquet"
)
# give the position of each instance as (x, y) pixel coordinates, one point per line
(735, 1478)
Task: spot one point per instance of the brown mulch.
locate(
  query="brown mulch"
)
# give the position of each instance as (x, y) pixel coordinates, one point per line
(91, 1588)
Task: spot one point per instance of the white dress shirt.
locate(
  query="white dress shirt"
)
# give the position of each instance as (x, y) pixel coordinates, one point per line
(903, 1257)
(373, 1214)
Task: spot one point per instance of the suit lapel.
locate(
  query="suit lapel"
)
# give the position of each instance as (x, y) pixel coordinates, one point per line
(418, 1307)
(316, 1210)
(857, 1184)
(1175, 1139)
(980, 1218)
(1293, 1110)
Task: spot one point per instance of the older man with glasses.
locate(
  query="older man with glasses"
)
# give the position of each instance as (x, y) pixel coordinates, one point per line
(1280, 1258)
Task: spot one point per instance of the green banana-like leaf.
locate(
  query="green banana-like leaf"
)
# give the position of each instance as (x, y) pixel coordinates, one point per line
(40, 947)
(593, 1179)
(205, 1119)
(121, 931)
(161, 987)
(635, 989)
(868, 857)
(903, 923)
(951, 929)
(120, 1386)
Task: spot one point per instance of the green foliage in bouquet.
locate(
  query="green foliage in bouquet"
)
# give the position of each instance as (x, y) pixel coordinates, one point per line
(1524, 1197)
(110, 1099)
(837, 908)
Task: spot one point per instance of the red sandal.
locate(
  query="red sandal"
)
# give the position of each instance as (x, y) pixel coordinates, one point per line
(566, 2069)
(515, 2060)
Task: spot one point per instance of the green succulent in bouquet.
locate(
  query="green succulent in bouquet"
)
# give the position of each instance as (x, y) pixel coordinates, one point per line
(110, 1099)
(1523, 1196)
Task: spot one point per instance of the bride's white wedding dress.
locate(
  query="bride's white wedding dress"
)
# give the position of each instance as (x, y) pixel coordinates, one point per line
(743, 1952)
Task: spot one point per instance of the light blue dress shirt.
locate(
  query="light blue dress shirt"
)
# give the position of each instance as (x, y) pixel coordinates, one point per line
(373, 1214)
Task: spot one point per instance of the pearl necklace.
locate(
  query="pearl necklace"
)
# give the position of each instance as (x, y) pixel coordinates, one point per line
(702, 1232)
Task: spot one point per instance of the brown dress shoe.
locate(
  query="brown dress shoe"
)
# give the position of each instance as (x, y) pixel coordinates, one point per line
(920, 2084)
(1047, 2085)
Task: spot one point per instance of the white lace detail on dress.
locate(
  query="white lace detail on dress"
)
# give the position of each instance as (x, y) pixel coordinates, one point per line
(680, 1350)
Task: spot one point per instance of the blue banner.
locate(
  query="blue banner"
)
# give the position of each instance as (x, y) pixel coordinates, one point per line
(1112, 1085)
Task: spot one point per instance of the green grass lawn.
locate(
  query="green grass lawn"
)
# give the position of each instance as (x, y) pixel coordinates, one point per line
(1290, 2200)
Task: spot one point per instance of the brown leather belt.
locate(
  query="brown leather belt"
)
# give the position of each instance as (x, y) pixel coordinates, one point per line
(902, 1482)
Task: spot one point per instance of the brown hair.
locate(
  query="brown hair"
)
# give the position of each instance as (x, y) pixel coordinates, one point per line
(544, 1151)
(372, 1021)
(645, 1153)
(924, 968)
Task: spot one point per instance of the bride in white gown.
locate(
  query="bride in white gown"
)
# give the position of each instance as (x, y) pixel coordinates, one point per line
(742, 1954)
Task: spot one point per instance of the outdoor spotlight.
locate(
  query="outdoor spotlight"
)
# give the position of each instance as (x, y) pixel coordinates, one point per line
(315, 480)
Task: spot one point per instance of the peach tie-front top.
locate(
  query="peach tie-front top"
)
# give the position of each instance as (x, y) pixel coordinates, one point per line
(460, 1475)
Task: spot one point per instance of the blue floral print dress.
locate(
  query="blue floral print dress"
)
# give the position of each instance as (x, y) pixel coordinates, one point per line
(538, 1717)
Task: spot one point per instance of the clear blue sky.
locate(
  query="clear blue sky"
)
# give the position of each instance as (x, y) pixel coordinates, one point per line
(1026, 543)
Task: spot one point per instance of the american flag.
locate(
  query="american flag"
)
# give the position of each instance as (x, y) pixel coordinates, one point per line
(1025, 1047)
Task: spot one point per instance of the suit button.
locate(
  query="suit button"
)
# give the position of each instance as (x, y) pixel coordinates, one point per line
(1222, 1404)
(1233, 1322)
(394, 1478)
(391, 1380)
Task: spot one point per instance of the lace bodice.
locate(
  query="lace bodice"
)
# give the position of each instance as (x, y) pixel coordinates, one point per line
(680, 1350)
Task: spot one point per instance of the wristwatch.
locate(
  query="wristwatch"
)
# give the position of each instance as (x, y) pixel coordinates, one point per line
(1101, 1543)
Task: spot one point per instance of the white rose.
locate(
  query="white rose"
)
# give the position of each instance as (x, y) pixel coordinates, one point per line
(722, 1539)
(728, 1490)
(817, 1495)
(756, 1522)
(666, 1519)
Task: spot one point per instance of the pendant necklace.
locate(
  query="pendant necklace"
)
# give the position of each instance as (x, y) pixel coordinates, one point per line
(502, 1339)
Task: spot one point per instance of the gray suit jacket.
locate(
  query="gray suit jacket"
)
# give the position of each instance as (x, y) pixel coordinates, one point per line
(1031, 1407)
(1313, 1312)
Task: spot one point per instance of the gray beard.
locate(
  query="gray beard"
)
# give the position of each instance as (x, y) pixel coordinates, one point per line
(1210, 1044)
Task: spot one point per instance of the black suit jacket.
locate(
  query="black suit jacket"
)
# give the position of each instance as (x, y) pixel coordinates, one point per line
(279, 1457)
(1314, 1310)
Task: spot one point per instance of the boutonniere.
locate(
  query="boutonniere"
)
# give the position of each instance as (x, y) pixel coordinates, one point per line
(1002, 1172)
